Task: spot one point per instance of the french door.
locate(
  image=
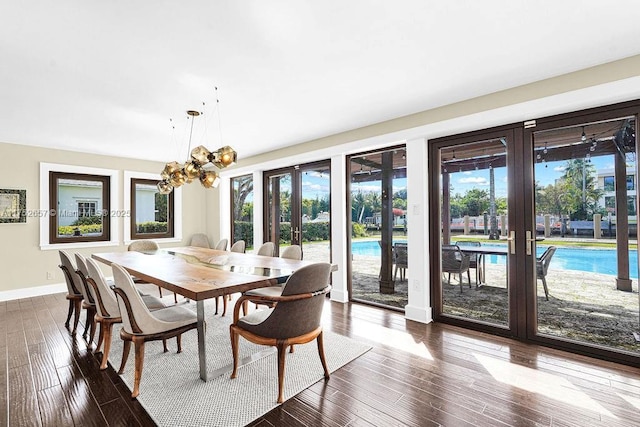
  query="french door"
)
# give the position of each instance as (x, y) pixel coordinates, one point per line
(297, 209)
(535, 230)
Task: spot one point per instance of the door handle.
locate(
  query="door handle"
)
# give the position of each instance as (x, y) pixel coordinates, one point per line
(296, 234)
(512, 242)
(529, 241)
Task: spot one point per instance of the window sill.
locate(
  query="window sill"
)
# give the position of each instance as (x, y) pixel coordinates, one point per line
(75, 245)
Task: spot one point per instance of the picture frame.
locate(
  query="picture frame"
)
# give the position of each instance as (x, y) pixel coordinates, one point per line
(13, 206)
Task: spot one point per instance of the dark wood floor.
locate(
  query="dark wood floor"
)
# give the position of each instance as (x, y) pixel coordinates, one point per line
(415, 374)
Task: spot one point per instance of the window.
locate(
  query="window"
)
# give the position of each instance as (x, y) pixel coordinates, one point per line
(609, 184)
(152, 213)
(147, 213)
(631, 204)
(242, 209)
(630, 183)
(610, 203)
(79, 206)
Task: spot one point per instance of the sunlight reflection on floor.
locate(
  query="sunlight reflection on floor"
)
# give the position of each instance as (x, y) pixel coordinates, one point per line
(397, 339)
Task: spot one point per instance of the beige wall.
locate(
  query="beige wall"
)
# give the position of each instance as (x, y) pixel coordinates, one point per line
(22, 263)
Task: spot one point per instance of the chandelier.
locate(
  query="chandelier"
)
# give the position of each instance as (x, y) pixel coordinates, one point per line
(176, 174)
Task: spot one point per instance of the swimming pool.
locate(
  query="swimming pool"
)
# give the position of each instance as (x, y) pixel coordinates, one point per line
(602, 261)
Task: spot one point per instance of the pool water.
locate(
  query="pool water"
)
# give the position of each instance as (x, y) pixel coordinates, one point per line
(601, 261)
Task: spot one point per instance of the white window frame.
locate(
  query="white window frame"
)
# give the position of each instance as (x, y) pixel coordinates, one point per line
(177, 208)
(114, 177)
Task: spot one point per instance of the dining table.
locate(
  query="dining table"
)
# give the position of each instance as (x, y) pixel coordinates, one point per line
(200, 274)
(482, 252)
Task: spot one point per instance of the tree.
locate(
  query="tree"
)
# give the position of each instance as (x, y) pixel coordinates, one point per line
(581, 191)
(242, 188)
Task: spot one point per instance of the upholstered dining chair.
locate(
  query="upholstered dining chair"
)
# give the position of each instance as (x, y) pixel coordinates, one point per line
(295, 318)
(147, 246)
(200, 240)
(238, 246)
(221, 245)
(267, 249)
(140, 325)
(108, 312)
(88, 302)
(542, 266)
(74, 294)
(455, 261)
(292, 252)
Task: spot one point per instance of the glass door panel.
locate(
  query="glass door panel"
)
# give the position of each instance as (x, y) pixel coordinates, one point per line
(475, 282)
(586, 224)
(379, 266)
(297, 207)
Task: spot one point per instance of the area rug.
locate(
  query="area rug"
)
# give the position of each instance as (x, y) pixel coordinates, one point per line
(173, 394)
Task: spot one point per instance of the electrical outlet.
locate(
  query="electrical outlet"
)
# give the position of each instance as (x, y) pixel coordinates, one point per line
(49, 275)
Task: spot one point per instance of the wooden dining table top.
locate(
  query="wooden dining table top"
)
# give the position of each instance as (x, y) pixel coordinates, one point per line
(201, 273)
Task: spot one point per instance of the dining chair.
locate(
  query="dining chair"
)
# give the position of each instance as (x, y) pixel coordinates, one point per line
(140, 325)
(542, 266)
(295, 318)
(292, 252)
(221, 245)
(147, 246)
(238, 246)
(108, 312)
(88, 302)
(455, 261)
(74, 294)
(267, 249)
(475, 260)
(200, 240)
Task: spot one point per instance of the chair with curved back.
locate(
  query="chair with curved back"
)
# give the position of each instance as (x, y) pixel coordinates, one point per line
(221, 245)
(475, 260)
(456, 262)
(74, 294)
(292, 252)
(238, 247)
(295, 318)
(88, 303)
(200, 240)
(542, 266)
(147, 246)
(108, 312)
(267, 249)
(140, 325)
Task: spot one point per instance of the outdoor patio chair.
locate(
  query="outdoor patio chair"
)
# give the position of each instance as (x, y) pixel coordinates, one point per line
(454, 261)
(400, 260)
(542, 266)
(475, 260)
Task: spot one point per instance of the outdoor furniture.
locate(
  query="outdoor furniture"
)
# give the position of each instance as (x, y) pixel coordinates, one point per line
(456, 262)
(542, 266)
(475, 259)
(400, 259)
(295, 319)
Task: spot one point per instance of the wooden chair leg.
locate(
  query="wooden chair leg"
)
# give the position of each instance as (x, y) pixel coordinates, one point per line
(92, 329)
(100, 338)
(125, 355)
(66, 324)
(160, 291)
(281, 346)
(320, 340)
(77, 306)
(107, 346)
(179, 342)
(234, 350)
(164, 345)
(245, 308)
(217, 301)
(87, 323)
(175, 297)
(137, 375)
(224, 304)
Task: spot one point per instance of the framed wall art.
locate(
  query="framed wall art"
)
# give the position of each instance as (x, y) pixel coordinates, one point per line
(13, 206)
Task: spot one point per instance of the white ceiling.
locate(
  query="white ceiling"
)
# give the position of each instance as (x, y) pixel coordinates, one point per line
(106, 76)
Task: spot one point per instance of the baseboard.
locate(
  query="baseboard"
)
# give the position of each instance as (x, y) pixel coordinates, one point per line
(338, 296)
(35, 291)
(418, 314)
